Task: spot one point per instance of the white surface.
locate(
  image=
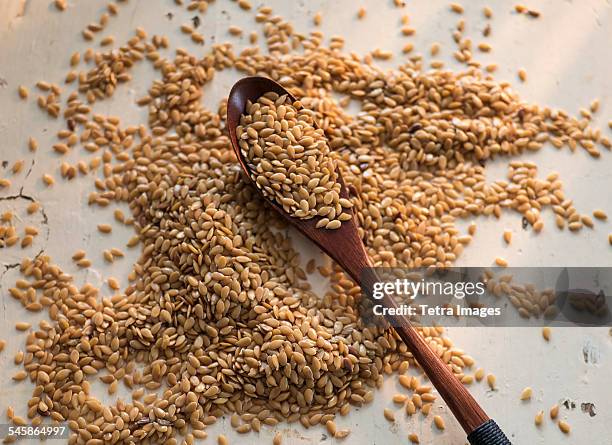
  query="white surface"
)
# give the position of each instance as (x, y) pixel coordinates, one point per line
(567, 57)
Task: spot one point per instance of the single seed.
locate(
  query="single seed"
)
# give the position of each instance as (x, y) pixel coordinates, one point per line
(439, 422)
(32, 144)
(48, 180)
(413, 438)
(33, 207)
(526, 394)
(507, 236)
(20, 376)
(113, 283)
(361, 13)
(488, 12)
(600, 214)
(533, 13)
(389, 415)
(587, 221)
(317, 18)
(546, 333)
(222, 440)
(23, 92)
(341, 434)
(554, 412)
(539, 418)
(399, 398)
(109, 40)
(22, 326)
(278, 438)
(245, 4)
(235, 30)
(522, 75)
(501, 262)
(84, 263)
(60, 5)
(491, 381)
(78, 255)
(520, 8)
(105, 228)
(564, 427)
(17, 167)
(457, 8)
(408, 47)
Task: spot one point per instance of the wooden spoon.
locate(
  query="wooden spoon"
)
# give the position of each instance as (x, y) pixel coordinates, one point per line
(347, 249)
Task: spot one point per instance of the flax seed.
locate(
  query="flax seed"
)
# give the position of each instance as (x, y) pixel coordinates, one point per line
(554, 412)
(105, 228)
(456, 8)
(526, 394)
(23, 92)
(564, 427)
(539, 418)
(491, 381)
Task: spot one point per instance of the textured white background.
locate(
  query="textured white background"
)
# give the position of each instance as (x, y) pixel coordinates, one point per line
(567, 57)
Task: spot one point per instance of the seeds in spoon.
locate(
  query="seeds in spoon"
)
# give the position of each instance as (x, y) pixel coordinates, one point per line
(290, 160)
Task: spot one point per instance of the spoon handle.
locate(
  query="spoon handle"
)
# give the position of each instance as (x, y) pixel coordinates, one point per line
(480, 428)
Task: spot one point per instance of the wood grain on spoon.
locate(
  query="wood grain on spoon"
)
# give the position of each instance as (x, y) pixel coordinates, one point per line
(347, 249)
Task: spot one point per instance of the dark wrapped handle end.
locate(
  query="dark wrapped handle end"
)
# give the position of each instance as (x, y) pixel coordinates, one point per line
(488, 433)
